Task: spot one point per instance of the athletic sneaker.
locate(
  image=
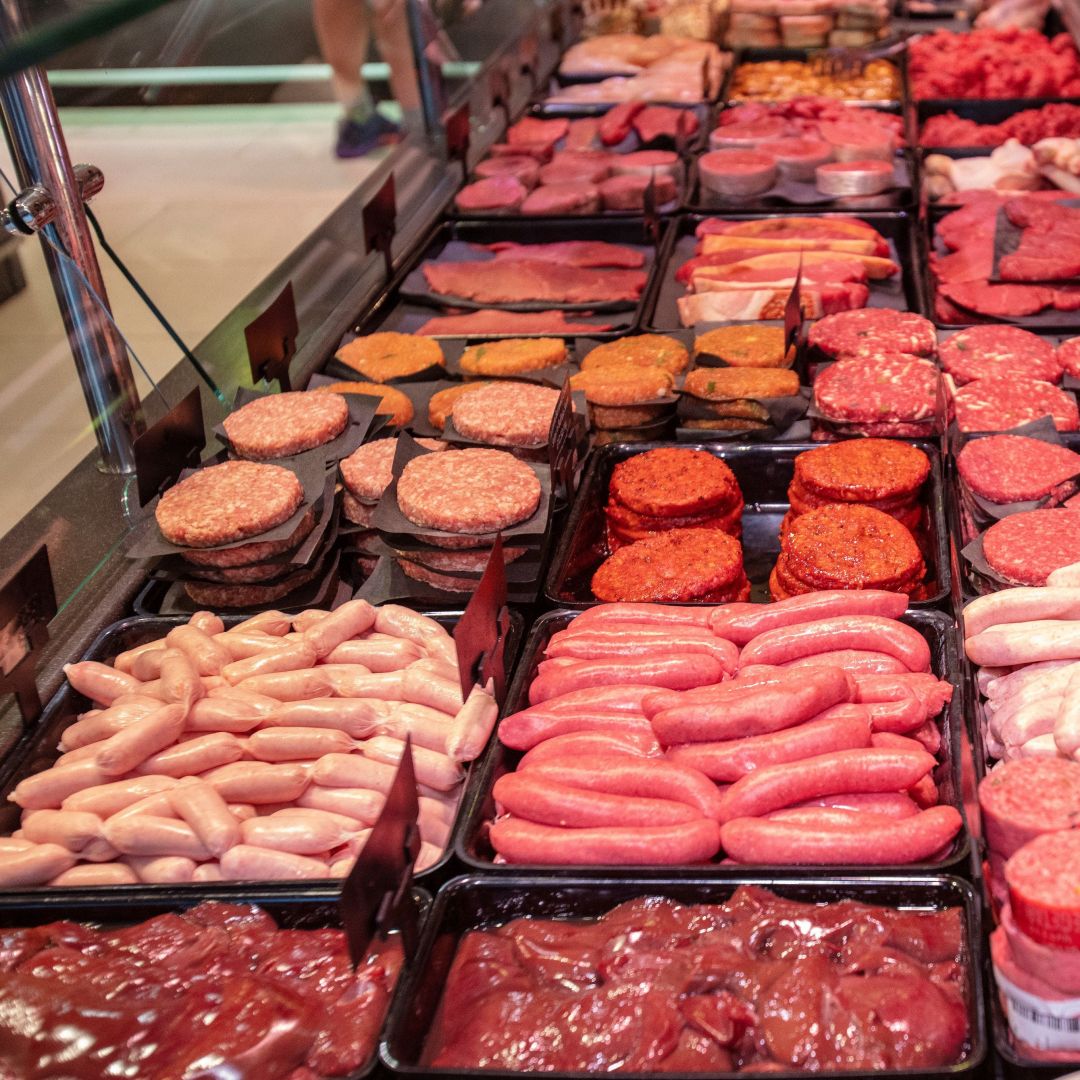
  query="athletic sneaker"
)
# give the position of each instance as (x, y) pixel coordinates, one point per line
(357, 139)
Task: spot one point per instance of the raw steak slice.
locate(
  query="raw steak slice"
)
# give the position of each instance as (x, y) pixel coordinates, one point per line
(522, 167)
(494, 193)
(524, 281)
(616, 124)
(583, 133)
(737, 303)
(999, 301)
(572, 198)
(1036, 213)
(581, 167)
(531, 130)
(663, 122)
(973, 262)
(539, 151)
(1042, 256)
(493, 321)
(1067, 298)
(628, 192)
(586, 253)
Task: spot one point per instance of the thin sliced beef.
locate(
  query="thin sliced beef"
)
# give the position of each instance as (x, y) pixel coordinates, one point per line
(628, 192)
(493, 321)
(583, 134)
(532, 131)
(662, 122)
(587, 253)
(1067, 298)
(617, 123)
(999, 301)
(570, 198)
(1026, 213)
(540, 151)
(524, 281)
(973, 262)
(494, 193)
(1042, 255)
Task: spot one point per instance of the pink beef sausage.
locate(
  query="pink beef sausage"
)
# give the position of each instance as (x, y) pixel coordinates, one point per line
(147, 835)
(46, 790)
(147, 665)
(1020, 606)
(641, 779)
(275, 623)
(846, 727)
(199, 806)
(1025, 642)
(547, 845)
(741, 623)
(99, 682)
(207, 622)
(546, 802)
(193, 756)
(935, 693)
(241, 646)
(162, 869)
(354, 681)
(363, 805)
(430, 690)
(914, 839)
(434, 769)
(348, 621)
(108, 799)
(645, 614)
(298, 743)
(106, 722)
(258, 783)
(853, 661)
(777, 786)
(34, 865)
(206, 655)
(472, 725)
(602, 644)
(524, 730)
(122, 752)
(220, 714)
(291, 685)
(70, 829)
(675, 672)
(126, 659)
(356, 717)
(871, 633)
(755, 710)
(91, 875)
(590, 746)
(606, 699)
(180, 682)
(905, 714)
(302, 832)
(292, 657)
(246, 863)
(377, 656)
(353, 771)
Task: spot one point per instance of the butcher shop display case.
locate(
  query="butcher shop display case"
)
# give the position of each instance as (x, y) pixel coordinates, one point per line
(698, 380)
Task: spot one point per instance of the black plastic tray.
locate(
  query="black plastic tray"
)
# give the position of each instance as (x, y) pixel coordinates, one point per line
(904, 293)
(307, 909)
(471, 840)
(468, 903)
(764, 473)
(395, 312)
(36, 748)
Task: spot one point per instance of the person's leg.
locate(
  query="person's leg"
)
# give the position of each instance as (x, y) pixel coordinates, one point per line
(393, 41)
(342, 29)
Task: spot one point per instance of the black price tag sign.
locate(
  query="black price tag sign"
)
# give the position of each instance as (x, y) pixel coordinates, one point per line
(458, 134)
(27, 604)
(529, 53)
(682, 133)
(562, 443)
(480, 634)
(793, 313)
(652, 218)
(375, 896)
(170, 446)
(380, 223)
(271, 340)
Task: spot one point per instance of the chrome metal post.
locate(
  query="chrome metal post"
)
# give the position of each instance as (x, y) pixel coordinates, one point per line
(41, 159)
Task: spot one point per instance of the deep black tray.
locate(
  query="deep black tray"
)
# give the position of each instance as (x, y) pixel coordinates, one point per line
(468, 903)
(307, 909)
(396, 312)
(471, 840)
(764, 473)
(36, 748)
(904, 292)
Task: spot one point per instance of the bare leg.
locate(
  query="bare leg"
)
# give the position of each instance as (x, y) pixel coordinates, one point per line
(391, 28)
(343, 33)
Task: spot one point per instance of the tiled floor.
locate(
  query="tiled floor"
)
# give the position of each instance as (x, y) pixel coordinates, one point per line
(201, 203)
